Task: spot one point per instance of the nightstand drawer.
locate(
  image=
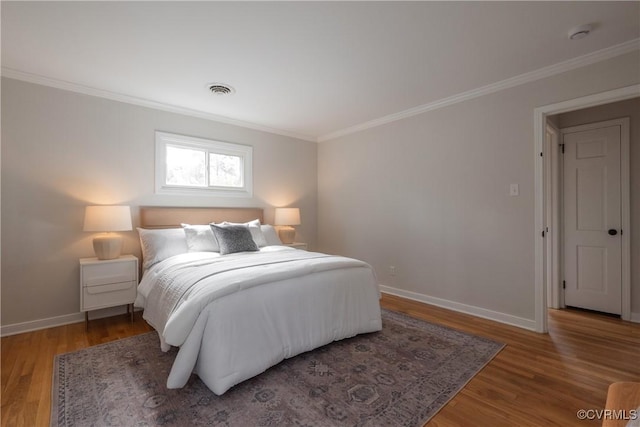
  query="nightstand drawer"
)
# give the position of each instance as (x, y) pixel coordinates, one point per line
(109, 295)
(104, 274)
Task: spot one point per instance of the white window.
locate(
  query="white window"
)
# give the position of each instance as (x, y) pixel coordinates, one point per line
(187, 165)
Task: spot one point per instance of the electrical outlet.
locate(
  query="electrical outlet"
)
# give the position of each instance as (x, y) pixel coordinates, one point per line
(514, 190)
(392, 270)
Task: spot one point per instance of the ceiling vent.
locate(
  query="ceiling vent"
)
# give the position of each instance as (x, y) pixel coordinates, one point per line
(221, 89)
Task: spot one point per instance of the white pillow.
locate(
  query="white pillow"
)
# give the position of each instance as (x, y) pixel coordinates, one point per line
(270, 235)
(160, 244)
(200, 238)
(254, 228)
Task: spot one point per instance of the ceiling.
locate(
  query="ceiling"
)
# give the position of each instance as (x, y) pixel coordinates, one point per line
(308, 69)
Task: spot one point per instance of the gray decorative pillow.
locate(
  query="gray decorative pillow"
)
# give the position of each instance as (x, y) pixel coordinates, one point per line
(233, 238)
(254, 228)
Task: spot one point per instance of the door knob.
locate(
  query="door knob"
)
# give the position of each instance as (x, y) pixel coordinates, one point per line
(612, 232)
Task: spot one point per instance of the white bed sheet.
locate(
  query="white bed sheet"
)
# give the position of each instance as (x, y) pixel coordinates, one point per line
(240, 334)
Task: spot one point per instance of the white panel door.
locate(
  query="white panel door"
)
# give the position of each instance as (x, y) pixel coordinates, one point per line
(592, 219)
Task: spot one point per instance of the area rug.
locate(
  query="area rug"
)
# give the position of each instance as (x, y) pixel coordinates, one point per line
(400, 376)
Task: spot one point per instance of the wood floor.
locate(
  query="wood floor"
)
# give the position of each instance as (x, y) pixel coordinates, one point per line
(536, 380)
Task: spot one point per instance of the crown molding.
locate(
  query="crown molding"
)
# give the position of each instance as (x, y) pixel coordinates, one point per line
(541, 73)
(114, 96)
(561, 67)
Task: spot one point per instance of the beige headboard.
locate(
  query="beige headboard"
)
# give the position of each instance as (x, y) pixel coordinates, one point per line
(171, 217)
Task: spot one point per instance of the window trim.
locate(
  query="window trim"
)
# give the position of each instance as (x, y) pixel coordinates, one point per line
(245, 152)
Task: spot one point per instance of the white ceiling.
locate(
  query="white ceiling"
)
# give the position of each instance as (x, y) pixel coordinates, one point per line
(303, 68)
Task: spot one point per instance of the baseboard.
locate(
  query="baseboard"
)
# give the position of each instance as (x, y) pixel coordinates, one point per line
(463, 308)
(635, 317)
(67, 319)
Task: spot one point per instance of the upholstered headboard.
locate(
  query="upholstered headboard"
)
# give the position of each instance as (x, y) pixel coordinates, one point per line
(171, 217)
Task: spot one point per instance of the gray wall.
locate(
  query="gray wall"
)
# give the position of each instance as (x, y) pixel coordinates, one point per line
(616, 110)
(63, 151)
(429, 194)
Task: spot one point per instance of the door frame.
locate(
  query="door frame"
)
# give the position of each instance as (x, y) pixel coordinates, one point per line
(544, 259)
(625, 210)
(554, 248)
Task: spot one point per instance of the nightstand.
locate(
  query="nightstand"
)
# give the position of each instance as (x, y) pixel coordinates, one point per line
(297, 245)
(108, 283)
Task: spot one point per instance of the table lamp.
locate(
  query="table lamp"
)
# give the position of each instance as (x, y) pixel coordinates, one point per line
(285, 218)
(106, 219)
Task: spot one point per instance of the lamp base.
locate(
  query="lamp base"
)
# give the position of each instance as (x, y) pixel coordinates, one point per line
(107, 246)
(286, 234)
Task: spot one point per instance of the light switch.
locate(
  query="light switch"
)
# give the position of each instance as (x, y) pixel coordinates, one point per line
(514, 190)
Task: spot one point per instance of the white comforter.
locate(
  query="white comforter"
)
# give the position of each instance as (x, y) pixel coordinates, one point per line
(234, 316)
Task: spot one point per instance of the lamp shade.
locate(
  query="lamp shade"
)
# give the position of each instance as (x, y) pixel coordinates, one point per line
(107, 218)
(287, 216)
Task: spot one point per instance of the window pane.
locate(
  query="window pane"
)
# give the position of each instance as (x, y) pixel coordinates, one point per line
(225, 171)
(203, 167)
(186, 167)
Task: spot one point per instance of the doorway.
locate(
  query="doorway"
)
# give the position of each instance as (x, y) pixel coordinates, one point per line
(591, 186)
(548, 258)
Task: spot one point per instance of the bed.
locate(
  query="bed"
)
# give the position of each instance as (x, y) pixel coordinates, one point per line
(233, 315)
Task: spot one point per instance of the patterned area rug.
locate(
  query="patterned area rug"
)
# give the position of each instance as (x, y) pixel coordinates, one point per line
(400, 376)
